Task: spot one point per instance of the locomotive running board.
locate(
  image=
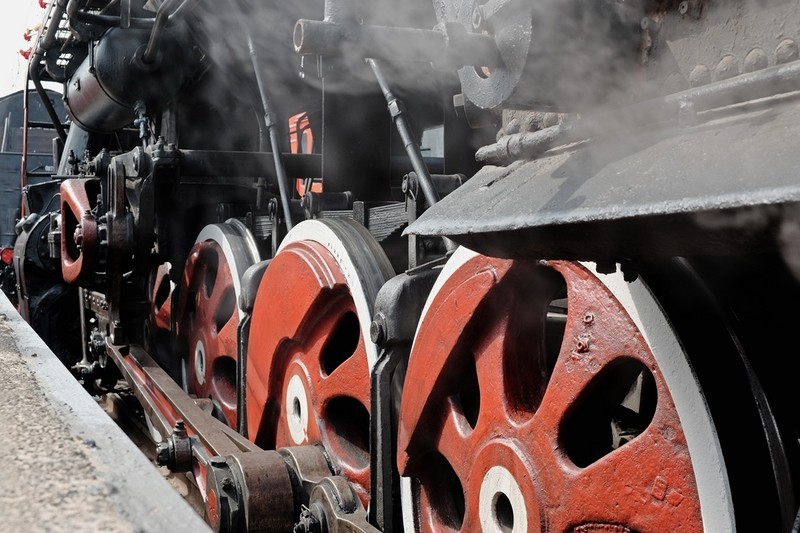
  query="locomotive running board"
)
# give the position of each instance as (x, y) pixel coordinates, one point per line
(728, 184)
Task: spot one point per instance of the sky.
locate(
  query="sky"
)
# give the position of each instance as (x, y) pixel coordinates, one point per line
(18, 16)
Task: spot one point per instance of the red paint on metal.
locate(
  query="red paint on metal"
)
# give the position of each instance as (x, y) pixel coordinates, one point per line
(208, 321)
(79, 235)
(161, 311)
(291, 326)
(646, 485)
(212, 510)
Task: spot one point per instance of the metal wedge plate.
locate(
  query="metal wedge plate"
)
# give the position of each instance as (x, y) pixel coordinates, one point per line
(726, 184)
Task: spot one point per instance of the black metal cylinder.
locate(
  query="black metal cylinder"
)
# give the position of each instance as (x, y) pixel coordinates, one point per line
(104, 90)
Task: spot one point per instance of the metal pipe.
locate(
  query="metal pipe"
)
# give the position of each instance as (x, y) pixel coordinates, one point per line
(263, 145)
(54, 14)
(112, 21)
(162, 17)
(340, 11)
(451, 46)
(272, 128)
(404, 129)
(412, 147)
(73, 7)
(109, 6)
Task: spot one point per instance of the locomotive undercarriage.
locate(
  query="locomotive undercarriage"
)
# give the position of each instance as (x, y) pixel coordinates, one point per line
(607, 356)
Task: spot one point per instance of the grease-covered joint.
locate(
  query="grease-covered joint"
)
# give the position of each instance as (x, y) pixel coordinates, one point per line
(448, 45)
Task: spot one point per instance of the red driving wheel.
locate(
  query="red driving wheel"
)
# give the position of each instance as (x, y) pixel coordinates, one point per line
(209, 314)
(309, 353)
(534, 402)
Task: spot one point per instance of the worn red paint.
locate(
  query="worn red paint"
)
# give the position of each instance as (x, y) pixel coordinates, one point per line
(645, 485)
(208, 318)
(291, 325)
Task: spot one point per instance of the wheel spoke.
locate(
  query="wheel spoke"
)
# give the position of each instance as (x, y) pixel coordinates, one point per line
(354, 372)
(456, 441)
(645, 484)
(490, 368)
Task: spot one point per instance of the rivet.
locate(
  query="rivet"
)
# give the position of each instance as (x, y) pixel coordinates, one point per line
(756, 59)
(726, 68)
(786, 51)
(648, 24)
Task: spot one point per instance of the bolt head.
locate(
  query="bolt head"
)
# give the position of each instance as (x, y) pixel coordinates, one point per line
(162, 454)
(377, 332)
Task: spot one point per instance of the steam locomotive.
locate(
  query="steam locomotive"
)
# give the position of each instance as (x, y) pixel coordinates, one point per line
(455, 265)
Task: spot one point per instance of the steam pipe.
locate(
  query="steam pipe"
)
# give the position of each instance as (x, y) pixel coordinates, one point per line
(261, 182)
(73, 7)
(54, 14)
(164, 13)
(272, 128)
(452, 45)
(340, 11)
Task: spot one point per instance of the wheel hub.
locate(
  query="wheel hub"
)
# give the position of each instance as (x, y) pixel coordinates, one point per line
(503, 505)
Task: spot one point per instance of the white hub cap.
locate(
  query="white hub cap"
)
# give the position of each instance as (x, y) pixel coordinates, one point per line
(502, 506)
(297, 410)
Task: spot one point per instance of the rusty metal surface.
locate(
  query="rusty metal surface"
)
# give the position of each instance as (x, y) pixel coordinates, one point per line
(268, 496)
(710, 188)
(488, 417)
